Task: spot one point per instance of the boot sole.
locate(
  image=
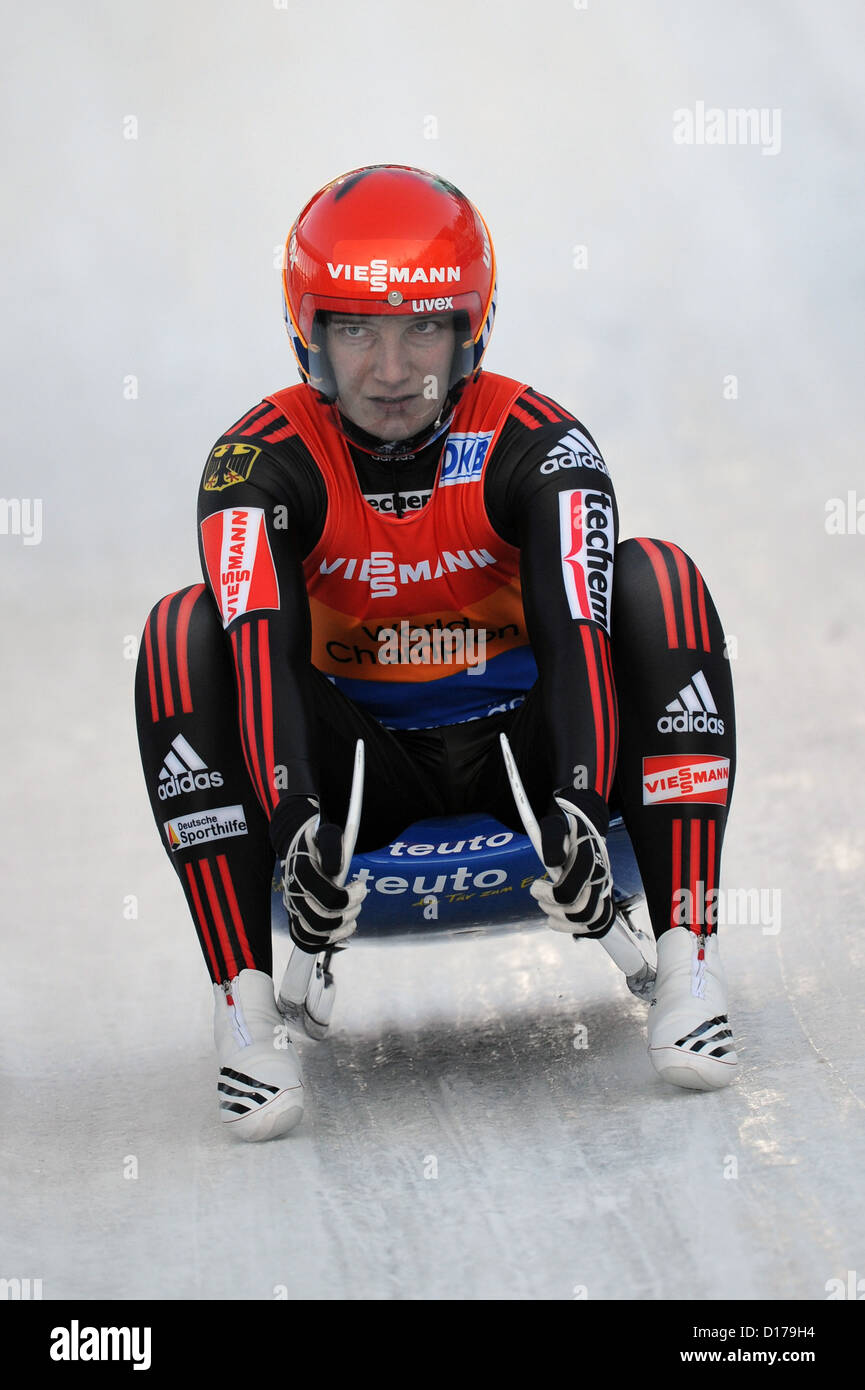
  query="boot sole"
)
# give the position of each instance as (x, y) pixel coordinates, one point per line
(269, 1121)
(692, 1073)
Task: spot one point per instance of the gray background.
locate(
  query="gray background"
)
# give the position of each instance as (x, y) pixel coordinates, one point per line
(155, 258)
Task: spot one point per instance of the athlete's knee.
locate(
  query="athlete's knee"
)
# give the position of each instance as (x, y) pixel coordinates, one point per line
(658, 588)
(157, 618)
(643, 556)
(182, 636)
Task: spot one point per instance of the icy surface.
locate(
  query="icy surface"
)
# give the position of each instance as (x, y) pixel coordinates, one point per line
(460, 1139)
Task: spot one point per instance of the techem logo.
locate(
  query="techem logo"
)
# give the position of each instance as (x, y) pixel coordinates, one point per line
(586, 536)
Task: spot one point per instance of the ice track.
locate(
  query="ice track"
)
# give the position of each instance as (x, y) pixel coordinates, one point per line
(457, 1143)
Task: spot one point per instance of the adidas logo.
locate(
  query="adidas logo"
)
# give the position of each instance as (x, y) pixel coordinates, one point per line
(573, 451)
(244, 1091)
(184, 771)
(714, 1037)
(693, 711)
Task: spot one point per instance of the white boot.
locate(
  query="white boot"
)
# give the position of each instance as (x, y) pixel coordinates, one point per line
(260, 1085)
(690, 1043)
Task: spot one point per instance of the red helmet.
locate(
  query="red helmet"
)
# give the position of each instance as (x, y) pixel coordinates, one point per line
(388, 239)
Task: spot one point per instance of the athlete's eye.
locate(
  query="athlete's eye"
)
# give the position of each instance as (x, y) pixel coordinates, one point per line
(428, 328)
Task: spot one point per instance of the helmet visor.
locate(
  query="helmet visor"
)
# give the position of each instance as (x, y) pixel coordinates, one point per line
(392, 374)
(395, 346)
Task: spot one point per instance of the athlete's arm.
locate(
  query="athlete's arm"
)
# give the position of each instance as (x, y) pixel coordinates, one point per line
(259, 513)
(550, 494)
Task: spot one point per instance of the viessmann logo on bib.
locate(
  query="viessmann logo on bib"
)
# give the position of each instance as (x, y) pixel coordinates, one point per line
(384, 574)
(685, 777)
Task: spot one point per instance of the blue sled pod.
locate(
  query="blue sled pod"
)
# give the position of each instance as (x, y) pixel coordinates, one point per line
(458, 875)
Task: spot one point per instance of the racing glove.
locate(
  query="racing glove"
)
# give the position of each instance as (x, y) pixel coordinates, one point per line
(320, 912)
(581, 899)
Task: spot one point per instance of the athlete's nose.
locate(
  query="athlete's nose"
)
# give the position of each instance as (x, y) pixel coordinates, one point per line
(391, 366)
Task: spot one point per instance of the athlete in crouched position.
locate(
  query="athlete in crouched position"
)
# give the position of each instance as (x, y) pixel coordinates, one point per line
(401, 484)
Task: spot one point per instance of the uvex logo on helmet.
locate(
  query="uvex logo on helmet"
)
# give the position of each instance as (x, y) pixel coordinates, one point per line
(430, 306)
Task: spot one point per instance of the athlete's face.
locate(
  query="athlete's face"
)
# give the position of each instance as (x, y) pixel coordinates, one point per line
(391, 370)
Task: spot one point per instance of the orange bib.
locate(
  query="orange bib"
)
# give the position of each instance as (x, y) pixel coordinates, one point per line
(419, 619)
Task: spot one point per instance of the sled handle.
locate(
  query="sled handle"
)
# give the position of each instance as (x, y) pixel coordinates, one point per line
(616, 941)
(527, 815)
(352, 820)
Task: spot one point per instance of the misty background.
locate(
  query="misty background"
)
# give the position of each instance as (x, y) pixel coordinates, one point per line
(699, 308)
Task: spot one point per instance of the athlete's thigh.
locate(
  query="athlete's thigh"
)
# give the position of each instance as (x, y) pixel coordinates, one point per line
(397, 791)
(527, 734)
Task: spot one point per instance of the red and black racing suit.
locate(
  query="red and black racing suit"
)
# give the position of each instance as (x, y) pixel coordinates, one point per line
(630, 701)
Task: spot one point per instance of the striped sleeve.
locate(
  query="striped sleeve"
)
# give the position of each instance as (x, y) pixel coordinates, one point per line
(553, 494)
(251, 516)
